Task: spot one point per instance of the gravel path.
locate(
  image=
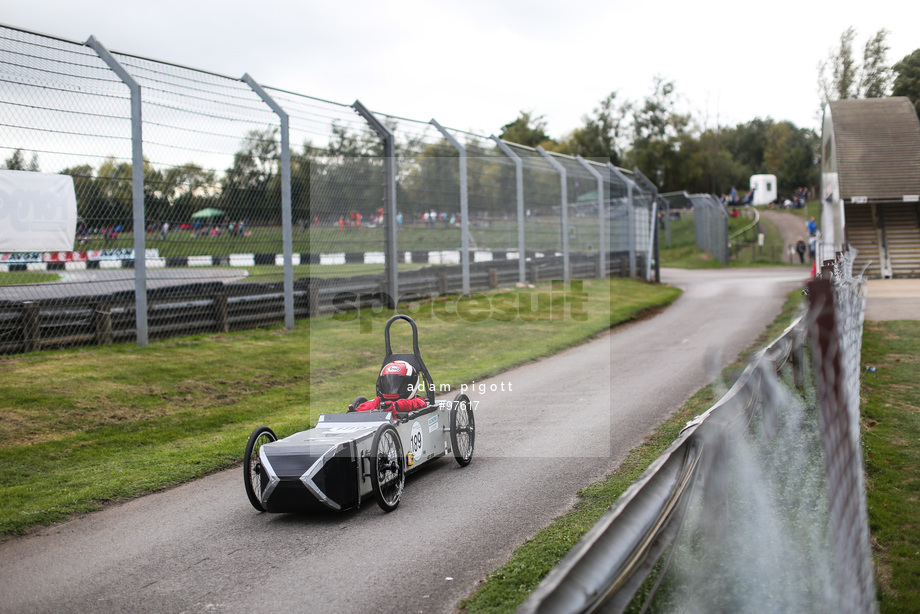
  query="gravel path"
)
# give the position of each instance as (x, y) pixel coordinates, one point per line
(792, 227)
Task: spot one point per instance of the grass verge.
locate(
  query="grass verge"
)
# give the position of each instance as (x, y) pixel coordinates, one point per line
(20, 278)
(86, 426)
(890, 435)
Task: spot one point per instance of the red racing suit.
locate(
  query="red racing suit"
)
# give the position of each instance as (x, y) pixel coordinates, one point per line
(394, 406)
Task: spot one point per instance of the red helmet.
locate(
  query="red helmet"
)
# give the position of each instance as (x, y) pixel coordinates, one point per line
(398, 380)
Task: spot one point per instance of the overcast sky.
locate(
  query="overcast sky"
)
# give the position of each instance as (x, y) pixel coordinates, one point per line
(475, 64)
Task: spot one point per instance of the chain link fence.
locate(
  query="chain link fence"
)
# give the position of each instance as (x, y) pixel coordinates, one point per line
(760, 504)
(213, 203)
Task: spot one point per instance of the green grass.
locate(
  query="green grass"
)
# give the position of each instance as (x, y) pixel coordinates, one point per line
(506, 588)
(82, 427)
(683, 253)
(540, 233)
(17, 278)
(891, 432)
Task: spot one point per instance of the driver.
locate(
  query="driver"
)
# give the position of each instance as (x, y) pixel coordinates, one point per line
(397, 389)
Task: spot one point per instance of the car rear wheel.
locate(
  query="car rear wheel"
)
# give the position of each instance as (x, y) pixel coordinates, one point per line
(462, 429)
(252, 465)
(388, 472)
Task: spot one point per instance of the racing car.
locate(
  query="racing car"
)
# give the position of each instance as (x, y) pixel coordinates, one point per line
(347, 457)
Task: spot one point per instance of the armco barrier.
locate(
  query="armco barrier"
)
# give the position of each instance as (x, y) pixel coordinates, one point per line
(604, 571)
(187, 309)
(610, 563)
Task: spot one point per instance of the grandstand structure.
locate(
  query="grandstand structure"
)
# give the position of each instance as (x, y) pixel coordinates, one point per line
(870, 184)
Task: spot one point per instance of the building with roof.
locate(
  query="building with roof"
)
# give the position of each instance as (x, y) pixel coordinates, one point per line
(870, 184)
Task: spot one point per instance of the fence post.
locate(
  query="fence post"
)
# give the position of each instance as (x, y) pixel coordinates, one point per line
(519, 188)
(464, 207)
(534, 273)
(313, 298)
(137, 189)
(221, 315)
(630, 215)
(798, 360)
(389, 199)
(563, 184)
(601, 213)
(653, 231)
(287, 241)
(31, 331)
(839, 414)
(102, 319)
(443, 285)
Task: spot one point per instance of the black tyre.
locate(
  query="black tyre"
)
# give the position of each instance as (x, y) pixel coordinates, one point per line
(388, 471)
(355, 403)
(462, 429)
(252, 465)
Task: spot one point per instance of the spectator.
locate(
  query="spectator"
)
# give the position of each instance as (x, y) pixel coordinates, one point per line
(812, 227)
(800, 249)
(812, 247)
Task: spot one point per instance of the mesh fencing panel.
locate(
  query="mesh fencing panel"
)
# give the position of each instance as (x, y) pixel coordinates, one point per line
(542, 198)
(759, 505)
(211, 202)
(837, 344)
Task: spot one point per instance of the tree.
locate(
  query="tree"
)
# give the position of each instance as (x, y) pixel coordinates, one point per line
(842, 82)
(245, 190)
(907, 78)
(17, 162)
(85, 190)
(875, 76)
(180, 191)
(526, 130)
(601, 133)
(840, 77)
(844, 68)
(657, 133)
(432, 179)
(349, 171)
(791, 155)
(708, 166)
(747, 143)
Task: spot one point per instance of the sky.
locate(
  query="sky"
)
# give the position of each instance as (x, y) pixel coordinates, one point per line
(476, 64)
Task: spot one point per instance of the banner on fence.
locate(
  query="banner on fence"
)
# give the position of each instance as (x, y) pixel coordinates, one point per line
(89, 255)
(38, 211)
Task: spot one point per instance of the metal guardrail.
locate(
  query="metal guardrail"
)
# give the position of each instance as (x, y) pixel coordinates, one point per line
(604, 571)
(615, 557)
(195, 308)
(753, 224)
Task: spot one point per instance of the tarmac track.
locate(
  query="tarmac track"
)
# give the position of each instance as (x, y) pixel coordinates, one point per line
(93, 282)
(565, 422)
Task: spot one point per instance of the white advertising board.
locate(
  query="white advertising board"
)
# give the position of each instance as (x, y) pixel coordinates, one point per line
(38, 212)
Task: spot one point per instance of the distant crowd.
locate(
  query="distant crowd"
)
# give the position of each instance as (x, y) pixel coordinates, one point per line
(201, 228)
(796, 200)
